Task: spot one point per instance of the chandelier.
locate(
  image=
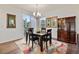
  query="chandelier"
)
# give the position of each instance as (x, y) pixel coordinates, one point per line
(36, 13)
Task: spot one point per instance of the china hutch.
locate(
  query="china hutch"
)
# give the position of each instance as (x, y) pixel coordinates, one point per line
(67, 29)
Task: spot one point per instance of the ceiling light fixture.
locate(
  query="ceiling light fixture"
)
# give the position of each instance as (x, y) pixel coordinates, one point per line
(36, 13)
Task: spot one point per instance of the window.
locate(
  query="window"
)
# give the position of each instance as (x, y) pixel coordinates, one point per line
(27, 22)
(43, 22)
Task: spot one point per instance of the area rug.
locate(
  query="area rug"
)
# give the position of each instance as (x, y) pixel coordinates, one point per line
(57, 47)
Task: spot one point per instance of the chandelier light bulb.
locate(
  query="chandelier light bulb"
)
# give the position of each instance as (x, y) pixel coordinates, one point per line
(36, 14)
(33, 13)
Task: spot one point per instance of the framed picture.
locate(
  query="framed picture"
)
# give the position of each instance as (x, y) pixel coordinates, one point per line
(43, 24)
(11, 21)
(54, 22)
(51, 22)
(48, 22)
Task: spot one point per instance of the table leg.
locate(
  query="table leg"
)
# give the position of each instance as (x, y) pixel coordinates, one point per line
(41, 44)
(26, 37)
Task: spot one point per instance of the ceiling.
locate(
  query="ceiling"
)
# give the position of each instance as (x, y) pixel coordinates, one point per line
(44, 8)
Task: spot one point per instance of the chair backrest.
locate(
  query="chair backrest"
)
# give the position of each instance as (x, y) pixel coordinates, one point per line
(32, 36)
(49, 33)
(30, 30)
(43, 30)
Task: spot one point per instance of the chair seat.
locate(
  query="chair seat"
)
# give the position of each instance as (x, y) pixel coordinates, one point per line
(46, 37)
(34, 39)
(46, 40)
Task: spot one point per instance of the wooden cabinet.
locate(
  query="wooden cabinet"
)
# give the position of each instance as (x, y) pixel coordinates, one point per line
(67, 29)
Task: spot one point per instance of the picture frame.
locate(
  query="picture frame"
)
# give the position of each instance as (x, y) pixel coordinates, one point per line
(48, 22)
(51, 22)
(54, 22)
(11, 21)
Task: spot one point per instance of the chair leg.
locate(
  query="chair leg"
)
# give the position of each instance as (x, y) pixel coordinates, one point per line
(32, 44)
(26, 40)
(46, 45)
(38, 42)
(26, 37)
(50, 42)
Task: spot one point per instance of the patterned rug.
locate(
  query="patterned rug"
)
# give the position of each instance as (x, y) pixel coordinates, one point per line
(57, 47)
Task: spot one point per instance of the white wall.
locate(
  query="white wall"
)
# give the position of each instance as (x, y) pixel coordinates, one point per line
(9, 34)
(64, 12)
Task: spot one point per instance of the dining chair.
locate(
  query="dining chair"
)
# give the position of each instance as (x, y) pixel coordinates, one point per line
(49, 32)
(30, 31)
(47, 37)
(33, 37)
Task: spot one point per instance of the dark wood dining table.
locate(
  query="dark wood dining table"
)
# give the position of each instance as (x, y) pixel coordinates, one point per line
(41, 40)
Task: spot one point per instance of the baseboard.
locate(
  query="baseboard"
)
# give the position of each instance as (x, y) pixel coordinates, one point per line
(10, 41)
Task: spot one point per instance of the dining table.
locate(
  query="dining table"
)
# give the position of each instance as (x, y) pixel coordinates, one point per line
(40, 40)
